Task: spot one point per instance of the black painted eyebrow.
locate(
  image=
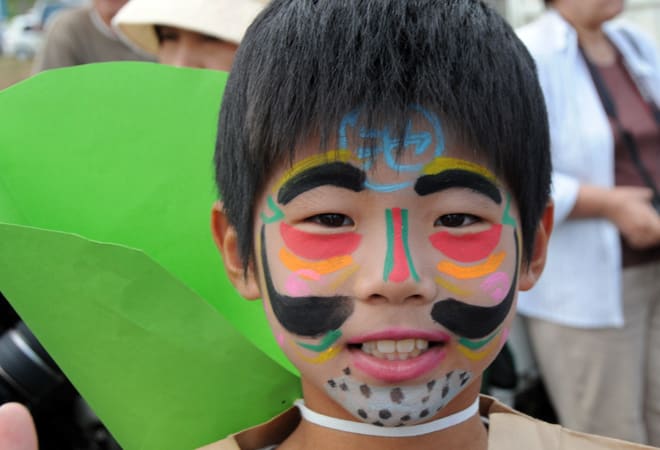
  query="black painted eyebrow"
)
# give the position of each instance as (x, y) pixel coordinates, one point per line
(447, 179)
(338, 174)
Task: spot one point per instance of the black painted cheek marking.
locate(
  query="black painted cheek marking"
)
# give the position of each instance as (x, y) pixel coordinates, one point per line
(338, 174)
(429, 184)
(305, 316)
(475, 322)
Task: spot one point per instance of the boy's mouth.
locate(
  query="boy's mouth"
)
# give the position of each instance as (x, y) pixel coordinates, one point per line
(397, 350)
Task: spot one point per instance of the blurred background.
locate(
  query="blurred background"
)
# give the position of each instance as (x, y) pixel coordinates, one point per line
(22, 25)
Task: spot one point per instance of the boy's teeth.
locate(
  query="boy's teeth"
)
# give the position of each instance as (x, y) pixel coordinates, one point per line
(395, 350)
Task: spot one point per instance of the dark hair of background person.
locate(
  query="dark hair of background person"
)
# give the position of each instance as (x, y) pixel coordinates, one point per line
(302, 66)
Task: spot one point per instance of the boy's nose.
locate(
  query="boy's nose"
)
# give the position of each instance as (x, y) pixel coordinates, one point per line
(396, 278)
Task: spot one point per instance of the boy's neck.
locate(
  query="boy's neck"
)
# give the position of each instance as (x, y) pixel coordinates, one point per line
(468, 435)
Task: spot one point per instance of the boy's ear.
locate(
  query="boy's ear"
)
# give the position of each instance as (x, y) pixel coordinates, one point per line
(226, 239)
(530, 273)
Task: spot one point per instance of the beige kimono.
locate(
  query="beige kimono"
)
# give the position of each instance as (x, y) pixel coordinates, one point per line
(508, 430)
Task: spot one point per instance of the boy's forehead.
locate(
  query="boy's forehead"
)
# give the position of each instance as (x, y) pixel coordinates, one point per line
(420, 146)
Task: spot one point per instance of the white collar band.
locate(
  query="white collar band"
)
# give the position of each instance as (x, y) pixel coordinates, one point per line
(374, 430)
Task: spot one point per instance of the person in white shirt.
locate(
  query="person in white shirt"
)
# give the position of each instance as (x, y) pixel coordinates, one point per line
(594, 317)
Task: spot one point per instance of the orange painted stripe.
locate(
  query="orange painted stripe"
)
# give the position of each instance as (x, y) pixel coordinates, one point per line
(461, 272)
(294, 264)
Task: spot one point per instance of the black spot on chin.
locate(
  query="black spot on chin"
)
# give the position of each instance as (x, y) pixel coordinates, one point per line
(424, 413)
(332, 383)
(396, 395)
(384, 414)
(430, 385)
(362, 413)
(378, 424)
(365, 390)
(343, 387)
(347, 371)
(405, 418)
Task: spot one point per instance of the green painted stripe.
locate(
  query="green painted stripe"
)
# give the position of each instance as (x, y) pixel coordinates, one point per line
(327, 342)
(476, 345)
(277, 212)
(404, 237)
(506, 217)
(389, 261)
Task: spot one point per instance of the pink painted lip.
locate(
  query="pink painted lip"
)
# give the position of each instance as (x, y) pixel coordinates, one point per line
(399, 371)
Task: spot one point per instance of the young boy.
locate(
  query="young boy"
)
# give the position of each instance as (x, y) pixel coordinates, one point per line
(384, 173)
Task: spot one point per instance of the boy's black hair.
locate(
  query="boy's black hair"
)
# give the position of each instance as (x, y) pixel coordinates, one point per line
(304, 64)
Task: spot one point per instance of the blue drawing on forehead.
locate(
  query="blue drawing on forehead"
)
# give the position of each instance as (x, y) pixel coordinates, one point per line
(386, 144)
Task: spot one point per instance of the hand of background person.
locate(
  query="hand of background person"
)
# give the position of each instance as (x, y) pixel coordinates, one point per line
(630, 209)
(17, 431)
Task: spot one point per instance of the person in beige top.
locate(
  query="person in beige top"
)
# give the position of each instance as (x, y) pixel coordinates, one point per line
(82, 36)
(195, 33)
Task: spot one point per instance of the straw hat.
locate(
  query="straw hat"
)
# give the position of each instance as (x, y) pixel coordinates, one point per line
(224, 19)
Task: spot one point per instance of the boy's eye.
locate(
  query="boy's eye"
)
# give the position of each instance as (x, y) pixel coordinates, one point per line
(331, 220)
(455, 220)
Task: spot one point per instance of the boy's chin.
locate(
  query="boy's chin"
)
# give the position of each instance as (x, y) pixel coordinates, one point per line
(393, 405)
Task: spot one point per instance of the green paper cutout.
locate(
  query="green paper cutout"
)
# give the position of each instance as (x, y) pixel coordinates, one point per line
(121, 153)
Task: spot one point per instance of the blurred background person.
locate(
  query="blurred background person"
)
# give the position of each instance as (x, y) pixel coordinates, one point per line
(594, 317)
(191, 33)
(84, 35)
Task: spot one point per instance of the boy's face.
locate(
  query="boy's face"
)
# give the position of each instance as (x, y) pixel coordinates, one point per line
(390, 285)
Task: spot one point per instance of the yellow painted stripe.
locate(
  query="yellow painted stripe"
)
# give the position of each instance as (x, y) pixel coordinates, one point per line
(451, 287)
(478, 356)
(443, 163)
(321, 358)
(313, 161)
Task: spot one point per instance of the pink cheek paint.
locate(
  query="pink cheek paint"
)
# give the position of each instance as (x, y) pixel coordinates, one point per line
(497, 286)
(318, 246)
(296, 287)
(467, 248)
(280, 339)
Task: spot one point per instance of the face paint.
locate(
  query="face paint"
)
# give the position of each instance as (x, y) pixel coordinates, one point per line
(452, 288)
(496, 285)
(295, 264)
(476, 322)
(398, 264)
(473, 355)
(310, 316)
(395, 406)
(339, 156)
(467, 248)
(325, 348)
(419, 142)
(463, 273)
(276, 212)
(327, 342)
(316, 247)
(457, 178)
(338, 174)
